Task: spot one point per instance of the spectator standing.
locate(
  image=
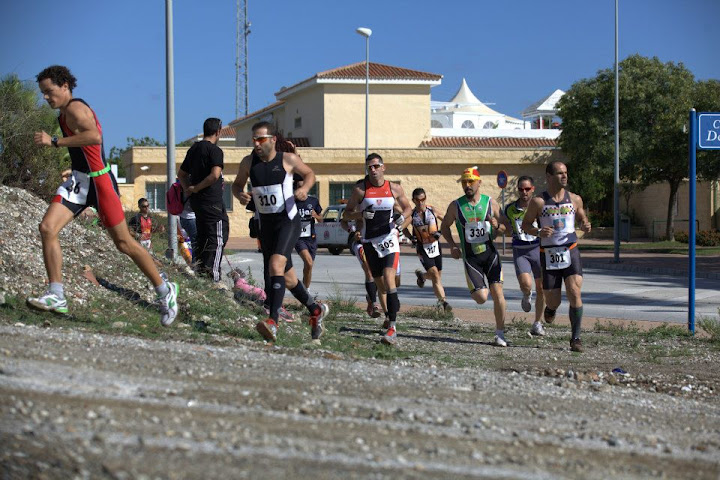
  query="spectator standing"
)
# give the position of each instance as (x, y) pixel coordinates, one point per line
(202, 180)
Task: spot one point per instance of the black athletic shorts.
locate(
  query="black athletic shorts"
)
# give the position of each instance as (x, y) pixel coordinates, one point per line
(553, 279)
(377, 264)
(428, 262)
(278, 237)
(478, 267)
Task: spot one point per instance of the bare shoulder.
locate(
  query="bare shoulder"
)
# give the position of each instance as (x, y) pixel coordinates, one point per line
(576, 199)
(77, 109)
(536, 202)
(397, 189)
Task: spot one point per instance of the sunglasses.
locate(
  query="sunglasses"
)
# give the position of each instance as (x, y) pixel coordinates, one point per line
(260, 139)
(524, 189)
(420, 200)
(144, 206)
(378, 165)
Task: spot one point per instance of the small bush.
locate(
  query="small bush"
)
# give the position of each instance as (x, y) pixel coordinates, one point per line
(703, 238)
(711, 326)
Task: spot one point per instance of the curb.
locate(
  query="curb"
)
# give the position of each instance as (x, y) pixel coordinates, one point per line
(670, 272)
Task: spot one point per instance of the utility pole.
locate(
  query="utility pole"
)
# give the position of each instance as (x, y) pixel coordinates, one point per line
(241, 59)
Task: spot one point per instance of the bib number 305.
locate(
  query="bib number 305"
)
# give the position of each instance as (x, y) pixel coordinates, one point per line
(386, 245)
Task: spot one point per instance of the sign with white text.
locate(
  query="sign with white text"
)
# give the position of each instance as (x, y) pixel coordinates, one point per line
(708, 131)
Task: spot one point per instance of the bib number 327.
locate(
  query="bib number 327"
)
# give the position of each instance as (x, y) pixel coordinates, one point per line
(557, 258)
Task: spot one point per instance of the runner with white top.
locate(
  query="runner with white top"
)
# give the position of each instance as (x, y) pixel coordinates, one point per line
(426, 230)
(526, 252)
(557, 211)
(373, 201)
(476, 219)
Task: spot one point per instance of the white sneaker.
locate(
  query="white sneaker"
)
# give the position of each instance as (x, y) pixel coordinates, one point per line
(537, 329)
(526, 302)
(168, 305)
(49, 303)
(498, 341)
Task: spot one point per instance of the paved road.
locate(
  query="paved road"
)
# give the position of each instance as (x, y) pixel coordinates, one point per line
(606, 293)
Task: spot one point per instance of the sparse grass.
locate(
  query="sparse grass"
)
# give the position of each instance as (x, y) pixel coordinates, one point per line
(617, 329)
(431, 313)
(711, 326)
(666, 331)
(340, 303)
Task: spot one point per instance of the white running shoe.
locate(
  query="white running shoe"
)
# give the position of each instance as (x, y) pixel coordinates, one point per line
(49, 303)
(498, 341)
(537, 329)
(526, 302)
(168, 305)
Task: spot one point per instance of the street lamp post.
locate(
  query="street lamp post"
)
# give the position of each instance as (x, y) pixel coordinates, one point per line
(366, 32)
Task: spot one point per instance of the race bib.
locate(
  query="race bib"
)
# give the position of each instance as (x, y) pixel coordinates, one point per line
(477, 232)
(269, 198)
(526, 237)
(386, 245)
(557, 258)
(432, 250)
(75, 189)
(306, 230)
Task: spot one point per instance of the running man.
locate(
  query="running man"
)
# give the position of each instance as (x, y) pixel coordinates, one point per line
(91, 184)
(526, 252)
(306, 246)
(556, 211)
(426, 229)
(476, 217)
(271, 175)
(371, 293)
(373, 201)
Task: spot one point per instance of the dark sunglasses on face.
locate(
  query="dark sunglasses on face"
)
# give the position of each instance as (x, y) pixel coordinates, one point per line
(524, 189)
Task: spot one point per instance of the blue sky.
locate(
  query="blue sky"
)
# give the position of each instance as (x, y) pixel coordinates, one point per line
(512, 53)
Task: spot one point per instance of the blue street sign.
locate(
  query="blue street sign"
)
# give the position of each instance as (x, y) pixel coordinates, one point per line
(502, 179)
(708, 131)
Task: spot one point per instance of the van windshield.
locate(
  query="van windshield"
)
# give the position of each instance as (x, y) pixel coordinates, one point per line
(332, 214)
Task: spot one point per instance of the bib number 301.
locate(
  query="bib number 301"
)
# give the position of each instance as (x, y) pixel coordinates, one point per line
(557, 258)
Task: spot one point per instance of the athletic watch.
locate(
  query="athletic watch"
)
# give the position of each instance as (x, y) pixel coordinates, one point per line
(54, 141)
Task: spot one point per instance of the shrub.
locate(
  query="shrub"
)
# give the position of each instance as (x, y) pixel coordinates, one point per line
(22, 163)
(704, 238)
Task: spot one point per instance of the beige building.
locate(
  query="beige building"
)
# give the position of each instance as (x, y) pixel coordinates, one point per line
(325, 117)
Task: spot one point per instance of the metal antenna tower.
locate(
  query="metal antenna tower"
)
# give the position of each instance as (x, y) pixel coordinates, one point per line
(241, 59)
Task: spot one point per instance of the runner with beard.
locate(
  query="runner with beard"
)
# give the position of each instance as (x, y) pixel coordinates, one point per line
(476, 218)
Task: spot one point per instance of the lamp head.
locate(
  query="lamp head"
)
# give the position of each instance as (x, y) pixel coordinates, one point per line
(365, 32)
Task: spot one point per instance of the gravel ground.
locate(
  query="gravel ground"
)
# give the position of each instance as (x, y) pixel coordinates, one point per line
(86, 405)
(92, 397)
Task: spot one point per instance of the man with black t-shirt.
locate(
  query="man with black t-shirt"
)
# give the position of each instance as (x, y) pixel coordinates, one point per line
(202, 180)
(306, 246)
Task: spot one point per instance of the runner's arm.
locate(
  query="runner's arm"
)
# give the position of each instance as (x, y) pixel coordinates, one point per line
(531, 214)
(212, 177)
(582, 217)
(238, 186)
(350, 213)
(447, 222)
(404, 203)
(298, 166)
(81, 121)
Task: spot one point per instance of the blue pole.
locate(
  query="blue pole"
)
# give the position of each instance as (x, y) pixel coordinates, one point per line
(691, 220)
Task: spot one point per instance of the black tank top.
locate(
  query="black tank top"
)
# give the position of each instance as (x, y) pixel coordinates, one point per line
(272, 188)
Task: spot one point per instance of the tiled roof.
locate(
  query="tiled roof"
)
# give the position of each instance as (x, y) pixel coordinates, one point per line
(378, 71)
(491, 142)
(227, 132)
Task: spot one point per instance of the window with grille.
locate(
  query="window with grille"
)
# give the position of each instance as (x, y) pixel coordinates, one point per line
(155, 193)
(339, 191)
(467, 124)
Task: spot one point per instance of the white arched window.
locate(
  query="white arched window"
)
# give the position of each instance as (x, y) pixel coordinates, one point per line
(489, 125)
(467, 124)
(435, 124)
